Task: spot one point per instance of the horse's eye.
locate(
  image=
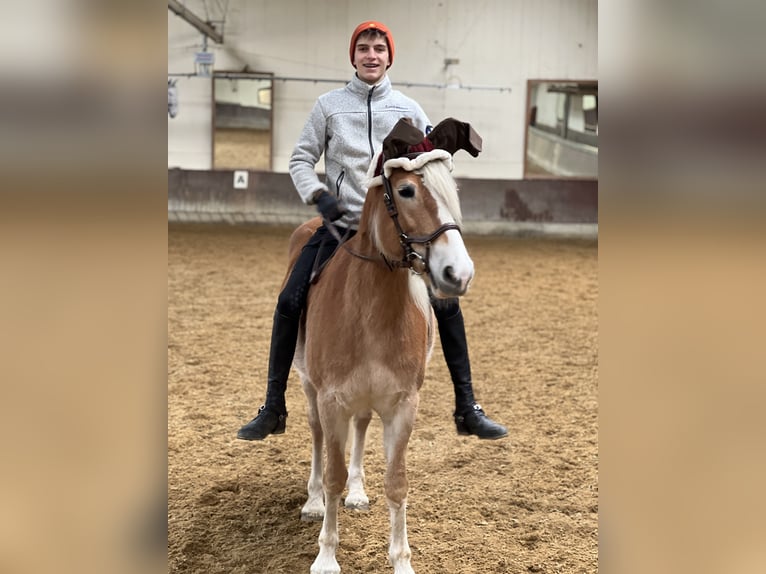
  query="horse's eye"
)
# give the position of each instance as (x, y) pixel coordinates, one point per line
(407, 191)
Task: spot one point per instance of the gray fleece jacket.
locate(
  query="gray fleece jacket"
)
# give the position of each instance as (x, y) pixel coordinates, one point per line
(348, 125)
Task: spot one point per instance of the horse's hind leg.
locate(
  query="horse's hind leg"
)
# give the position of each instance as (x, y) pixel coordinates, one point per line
(356, 499)
(335, 425)
(396, 435)
(313, 510)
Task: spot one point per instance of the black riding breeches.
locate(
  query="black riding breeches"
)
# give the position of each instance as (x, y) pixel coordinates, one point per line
(318, 249)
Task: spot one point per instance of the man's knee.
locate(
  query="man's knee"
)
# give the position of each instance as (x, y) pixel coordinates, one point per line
(290, 302)
(292, 299)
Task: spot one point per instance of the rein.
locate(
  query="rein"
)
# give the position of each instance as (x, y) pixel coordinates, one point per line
(317, 269)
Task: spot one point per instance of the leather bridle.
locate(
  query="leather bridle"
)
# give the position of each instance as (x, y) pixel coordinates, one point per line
(411, 259)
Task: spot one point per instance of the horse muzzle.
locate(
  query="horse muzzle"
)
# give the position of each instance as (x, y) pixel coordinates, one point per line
(451, 281)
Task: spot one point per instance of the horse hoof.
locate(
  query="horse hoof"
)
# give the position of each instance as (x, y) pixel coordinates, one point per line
(357, 504)
(312, 516)
(329, 567)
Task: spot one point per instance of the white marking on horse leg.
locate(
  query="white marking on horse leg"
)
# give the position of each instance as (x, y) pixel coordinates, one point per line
(399, 549)
(356, 499)
(313, 510)
(325, 562)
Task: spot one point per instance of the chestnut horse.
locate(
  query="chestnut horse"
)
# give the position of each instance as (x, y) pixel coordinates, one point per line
(368, 329)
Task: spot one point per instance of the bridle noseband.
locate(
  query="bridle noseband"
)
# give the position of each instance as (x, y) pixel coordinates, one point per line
(411, 259)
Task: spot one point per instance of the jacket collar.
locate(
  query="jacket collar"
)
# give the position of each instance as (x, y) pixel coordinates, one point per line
(382, 88)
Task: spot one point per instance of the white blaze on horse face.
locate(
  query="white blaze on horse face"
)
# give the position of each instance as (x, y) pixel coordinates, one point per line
(451, 268)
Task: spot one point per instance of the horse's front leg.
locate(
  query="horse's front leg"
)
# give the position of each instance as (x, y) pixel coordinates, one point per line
(313, 510)
(396, 435)
(356, 499)
(335, 425)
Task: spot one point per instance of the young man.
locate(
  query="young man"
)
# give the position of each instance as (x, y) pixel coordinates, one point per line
(348, 125)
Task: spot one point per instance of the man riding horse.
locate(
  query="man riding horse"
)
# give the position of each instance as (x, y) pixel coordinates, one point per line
(348, 125)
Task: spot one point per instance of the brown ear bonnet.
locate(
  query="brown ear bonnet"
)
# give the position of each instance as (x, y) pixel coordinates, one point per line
(405, 140)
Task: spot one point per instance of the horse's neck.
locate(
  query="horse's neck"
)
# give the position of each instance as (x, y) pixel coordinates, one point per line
(359, 300)
(370, 271)
(368, 254)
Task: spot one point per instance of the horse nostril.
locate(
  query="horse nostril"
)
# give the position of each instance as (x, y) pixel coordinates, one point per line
(449, 275)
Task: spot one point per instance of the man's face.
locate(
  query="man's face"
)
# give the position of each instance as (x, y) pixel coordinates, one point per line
(371, 58)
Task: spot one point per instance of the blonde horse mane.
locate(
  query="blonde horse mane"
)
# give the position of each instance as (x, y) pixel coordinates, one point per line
(439, 181)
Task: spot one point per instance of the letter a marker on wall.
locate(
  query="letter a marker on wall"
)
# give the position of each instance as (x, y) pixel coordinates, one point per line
(240, 179)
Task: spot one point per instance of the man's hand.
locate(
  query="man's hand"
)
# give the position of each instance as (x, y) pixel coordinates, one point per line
(327, 205)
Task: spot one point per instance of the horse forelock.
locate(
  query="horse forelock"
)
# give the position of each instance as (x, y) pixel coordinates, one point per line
(439, 181)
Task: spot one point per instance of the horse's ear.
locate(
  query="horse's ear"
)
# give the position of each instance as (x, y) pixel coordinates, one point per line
(399, 139)
(453, 135)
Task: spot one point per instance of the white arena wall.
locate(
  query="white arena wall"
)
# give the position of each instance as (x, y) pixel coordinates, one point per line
(499, 43)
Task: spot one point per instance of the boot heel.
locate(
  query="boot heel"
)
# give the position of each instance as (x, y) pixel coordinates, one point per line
(281, 425)
(460, 424)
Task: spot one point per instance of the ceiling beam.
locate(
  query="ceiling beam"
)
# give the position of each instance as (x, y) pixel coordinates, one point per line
(204, 27)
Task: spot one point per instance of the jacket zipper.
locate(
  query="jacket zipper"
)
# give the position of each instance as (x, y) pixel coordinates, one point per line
(339, 181)
(369, 121)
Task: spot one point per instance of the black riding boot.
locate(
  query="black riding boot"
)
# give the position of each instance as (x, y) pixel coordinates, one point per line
(469, 416)
(271, 416)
